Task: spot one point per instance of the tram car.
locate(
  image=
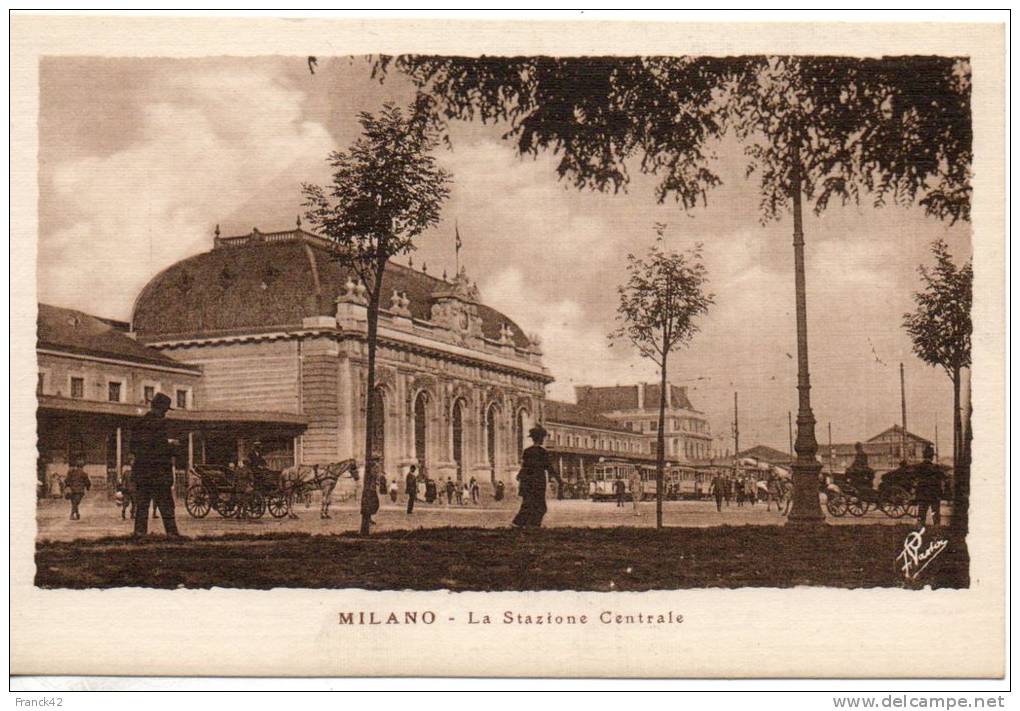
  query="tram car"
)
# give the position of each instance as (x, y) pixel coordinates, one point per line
(678, 481)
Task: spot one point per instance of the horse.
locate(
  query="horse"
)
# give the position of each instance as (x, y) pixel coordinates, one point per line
(302, 477)
(778, 490)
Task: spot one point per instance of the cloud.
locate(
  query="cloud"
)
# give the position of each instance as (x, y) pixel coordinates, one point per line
(575, 346)
(208, 141)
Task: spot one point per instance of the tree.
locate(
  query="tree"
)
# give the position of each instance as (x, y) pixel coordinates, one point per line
(814, 128)
(940, 329)
(659, 305)
(386, 190)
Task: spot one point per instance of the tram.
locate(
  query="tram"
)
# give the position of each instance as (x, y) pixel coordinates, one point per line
(679, 481)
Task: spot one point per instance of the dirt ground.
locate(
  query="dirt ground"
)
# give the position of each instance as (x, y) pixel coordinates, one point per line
(485, 559)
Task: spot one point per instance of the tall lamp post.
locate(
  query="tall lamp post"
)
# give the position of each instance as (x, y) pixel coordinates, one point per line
(806, 508)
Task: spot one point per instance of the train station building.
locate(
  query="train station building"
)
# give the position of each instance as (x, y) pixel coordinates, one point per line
(264, 337)
(274, 323)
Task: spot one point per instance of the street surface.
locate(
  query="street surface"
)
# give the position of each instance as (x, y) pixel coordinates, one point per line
(100, 517)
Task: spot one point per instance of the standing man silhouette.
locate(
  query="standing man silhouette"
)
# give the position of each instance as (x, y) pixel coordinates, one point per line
(153, 471)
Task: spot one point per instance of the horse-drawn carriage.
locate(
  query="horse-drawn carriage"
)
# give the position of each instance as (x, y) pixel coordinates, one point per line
(854, 493)
(236, 493)
(249, 493)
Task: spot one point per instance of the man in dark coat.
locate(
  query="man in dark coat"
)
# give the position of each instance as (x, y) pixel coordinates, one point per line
(928, 489)
(153, 471)
(620, 489)
(256, 462)
(718, 488)
(411, 488)
(76, 484)
(536, 462)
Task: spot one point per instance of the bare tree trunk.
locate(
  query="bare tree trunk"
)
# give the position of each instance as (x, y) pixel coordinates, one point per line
(961, 463)
(660, 462)
(806, 507)
(370, 493)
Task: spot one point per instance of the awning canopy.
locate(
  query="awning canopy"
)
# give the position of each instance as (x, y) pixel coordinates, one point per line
(200, 419)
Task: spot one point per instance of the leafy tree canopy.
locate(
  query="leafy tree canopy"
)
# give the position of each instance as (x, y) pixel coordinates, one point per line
(386, 190)
(941, 326)
(661, 300)
(896, 128)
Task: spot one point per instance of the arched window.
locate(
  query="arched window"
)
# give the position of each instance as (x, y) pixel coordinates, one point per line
(420, 429)
(457, 438)
(378, 426)
(519, 427)
(491, 418)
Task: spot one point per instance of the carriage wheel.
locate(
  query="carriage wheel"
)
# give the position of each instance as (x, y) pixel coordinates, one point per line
(894, 502)
(278, 505)
(196, 501)
(857, 506)
(836, 504)
(254, 505)
(227, 507)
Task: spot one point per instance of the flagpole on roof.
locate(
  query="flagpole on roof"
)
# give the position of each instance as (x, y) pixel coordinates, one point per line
(456, 246)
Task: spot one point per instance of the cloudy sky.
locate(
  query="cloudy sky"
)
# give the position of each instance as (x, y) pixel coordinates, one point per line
(141, 158)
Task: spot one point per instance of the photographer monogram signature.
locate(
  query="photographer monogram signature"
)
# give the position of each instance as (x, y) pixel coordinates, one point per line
(915, 556)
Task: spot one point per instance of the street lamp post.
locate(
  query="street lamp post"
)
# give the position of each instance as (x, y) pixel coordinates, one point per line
(806, 508)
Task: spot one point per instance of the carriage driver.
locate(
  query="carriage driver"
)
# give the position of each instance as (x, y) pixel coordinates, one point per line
(255, 461)
(861, 476)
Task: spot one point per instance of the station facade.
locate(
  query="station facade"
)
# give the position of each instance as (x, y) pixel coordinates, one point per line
(273, 322)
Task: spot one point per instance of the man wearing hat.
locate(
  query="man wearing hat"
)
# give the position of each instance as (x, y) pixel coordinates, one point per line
(928, 490)
(535, 463)
(256, 462)
(153, 471)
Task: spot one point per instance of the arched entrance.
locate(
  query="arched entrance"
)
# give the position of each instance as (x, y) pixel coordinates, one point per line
(457, 437)
(379, 428)
(519, 428)
(491, 418)
(420, 430)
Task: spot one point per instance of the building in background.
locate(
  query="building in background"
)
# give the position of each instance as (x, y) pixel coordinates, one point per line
(688, 435)
(275, 323)
(580, 438)
(94, 383)
(885, 451)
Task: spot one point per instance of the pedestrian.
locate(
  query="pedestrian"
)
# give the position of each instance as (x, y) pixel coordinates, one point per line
(394, 491)
(727, 489)
(739, 491)
(535, 464)
(773, 493)
(500, 491)
(464, 495)
(75, 486)
(411, 487)
(153, 471)
(476, 491)
(635, 489)
(431, 491)
(717, 490)
(620, 489)
(450, 489)
(929, 480)
(127, 488)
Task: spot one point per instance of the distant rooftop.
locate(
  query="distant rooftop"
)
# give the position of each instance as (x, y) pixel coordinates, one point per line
(72, 331)
(630, 397)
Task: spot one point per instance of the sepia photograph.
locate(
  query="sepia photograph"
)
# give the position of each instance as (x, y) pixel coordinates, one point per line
(595, 322)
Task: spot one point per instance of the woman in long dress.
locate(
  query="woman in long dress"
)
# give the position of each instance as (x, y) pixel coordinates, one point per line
(532, 482)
